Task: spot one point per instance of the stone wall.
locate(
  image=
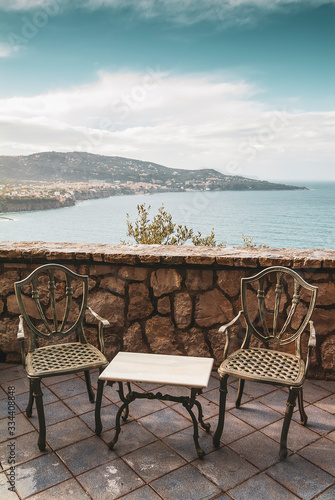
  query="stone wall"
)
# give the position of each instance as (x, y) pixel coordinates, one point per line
(168, 299)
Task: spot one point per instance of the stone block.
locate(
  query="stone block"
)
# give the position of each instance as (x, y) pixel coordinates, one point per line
(113, 284)
(28, 302)
(7, 281)
(133, 339)
(60, 311)
(120, 258)
(161, 335)
(194, 343)
(8, 333)
(324, 320)
(82, 255)
(199, 279)
(59, 255)
(327, 263)
(97, 257)
(113, 344)
(183, 310)
(133, 273)
(326, 294)
(140, 305)
(165, 281)
(108, 306)
(218, 343)
(149, 259)
(225, 261)
(172, 260)
(102, 269)
(200, 260)
(163, 305)
(328, 353)
(270, 260)
(212, 308)
(230, 281)
(78, 287)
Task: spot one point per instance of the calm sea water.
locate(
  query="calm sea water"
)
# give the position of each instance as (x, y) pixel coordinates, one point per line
(289, 219)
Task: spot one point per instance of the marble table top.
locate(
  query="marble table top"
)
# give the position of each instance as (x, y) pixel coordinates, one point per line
(187, 371)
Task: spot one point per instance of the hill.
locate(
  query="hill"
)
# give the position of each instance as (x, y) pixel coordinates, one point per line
(87, 167)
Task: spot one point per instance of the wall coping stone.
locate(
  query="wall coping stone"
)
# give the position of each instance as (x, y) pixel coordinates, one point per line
(170, 255)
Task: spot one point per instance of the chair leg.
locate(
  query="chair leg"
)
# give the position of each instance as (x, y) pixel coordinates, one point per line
(303, 415)
(287, 420)
(98, 424)
(239, 393)
(89, 386)
(222, 409)
(38, 395)
(29, 409)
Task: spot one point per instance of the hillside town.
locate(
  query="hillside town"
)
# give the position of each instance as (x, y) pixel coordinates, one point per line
(36, 195)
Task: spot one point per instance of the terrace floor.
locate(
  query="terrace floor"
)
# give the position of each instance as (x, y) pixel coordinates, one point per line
(155, 457)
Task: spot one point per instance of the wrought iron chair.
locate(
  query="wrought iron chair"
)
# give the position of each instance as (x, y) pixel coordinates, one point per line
(51, 314)
(277, 304)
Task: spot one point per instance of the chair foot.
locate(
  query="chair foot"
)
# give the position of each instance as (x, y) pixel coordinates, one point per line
(41, 446)
(239, 393)
(89, 386)
(222, 409)
(98, 424)
(287, 420)
(216, 441)
(38, 395)
(303, 416)
(283, 454)
(29, 409)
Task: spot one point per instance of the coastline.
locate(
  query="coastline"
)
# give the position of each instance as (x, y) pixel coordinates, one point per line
(87, 191)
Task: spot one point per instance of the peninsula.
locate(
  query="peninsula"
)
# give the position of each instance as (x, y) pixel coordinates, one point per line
(52, 179)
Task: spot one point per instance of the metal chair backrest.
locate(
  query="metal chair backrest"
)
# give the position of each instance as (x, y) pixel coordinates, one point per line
(277, 305)
(51, 310)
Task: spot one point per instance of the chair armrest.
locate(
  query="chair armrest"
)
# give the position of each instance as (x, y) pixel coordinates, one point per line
(311, 344)
(21, 337)
(105, 322)
(102, 323)
(20, 333)
(225, 329)
(312, 335)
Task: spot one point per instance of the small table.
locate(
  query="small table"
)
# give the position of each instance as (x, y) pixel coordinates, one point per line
(184, 371)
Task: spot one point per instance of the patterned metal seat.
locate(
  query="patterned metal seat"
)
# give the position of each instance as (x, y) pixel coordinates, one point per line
(277, 305)
(53, 302)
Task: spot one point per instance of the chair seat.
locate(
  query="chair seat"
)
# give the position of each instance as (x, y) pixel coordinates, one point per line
(263, 365)
(63, 358)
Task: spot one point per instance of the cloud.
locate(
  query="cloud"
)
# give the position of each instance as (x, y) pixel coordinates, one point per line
(7, 50)
(190, 121)
(185, 12)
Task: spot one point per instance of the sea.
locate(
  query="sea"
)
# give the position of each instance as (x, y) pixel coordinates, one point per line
(279, 219)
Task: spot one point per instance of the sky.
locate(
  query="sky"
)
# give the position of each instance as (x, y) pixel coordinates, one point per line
(242, 86)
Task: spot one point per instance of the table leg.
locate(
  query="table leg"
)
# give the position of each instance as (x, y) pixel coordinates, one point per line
(187, 403)
(122, 411)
